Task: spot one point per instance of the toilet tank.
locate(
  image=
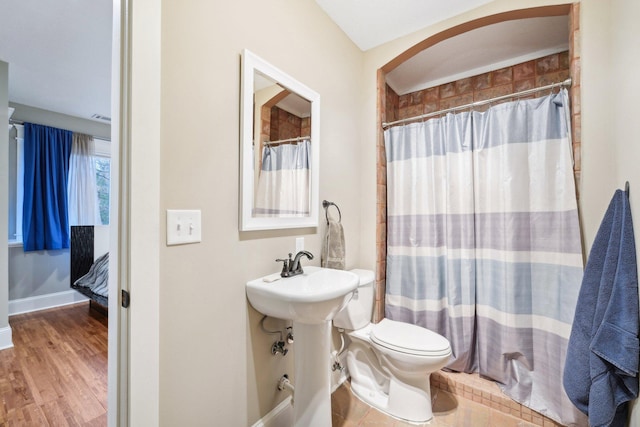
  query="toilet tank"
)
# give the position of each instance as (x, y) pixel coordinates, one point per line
(358, 312)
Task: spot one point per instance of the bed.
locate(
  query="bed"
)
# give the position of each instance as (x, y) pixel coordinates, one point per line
(89, 270)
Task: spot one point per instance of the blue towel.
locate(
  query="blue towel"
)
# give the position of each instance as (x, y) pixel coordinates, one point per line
(601, 370)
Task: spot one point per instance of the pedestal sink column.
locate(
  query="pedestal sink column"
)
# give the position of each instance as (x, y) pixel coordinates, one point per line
(310, 300)
(312, 396)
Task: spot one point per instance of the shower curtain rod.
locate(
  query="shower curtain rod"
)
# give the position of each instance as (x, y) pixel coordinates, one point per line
(282, 141)
(478, 103)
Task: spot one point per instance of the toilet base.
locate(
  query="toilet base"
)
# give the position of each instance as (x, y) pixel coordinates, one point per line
(403, 401)
(402, 395)
(392, 381)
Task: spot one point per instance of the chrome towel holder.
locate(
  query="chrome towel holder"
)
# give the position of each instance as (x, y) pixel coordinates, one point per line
(326, 204)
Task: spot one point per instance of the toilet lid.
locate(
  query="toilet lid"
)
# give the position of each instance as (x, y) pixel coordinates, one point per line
(407, 338)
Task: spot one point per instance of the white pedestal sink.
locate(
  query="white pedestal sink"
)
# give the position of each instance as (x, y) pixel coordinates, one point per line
(310, 300)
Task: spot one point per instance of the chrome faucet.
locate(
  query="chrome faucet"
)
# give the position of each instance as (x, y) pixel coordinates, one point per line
(292, 267)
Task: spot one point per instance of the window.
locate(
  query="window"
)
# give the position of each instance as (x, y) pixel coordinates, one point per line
(16, 236)
(103, 178)
(103, 182)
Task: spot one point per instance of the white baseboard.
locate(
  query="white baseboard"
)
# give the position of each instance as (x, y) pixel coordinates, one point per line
(5, 338)
(280, 416)
(42, 302)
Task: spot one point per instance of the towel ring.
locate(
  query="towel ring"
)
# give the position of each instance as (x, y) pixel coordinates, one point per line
(326, 205)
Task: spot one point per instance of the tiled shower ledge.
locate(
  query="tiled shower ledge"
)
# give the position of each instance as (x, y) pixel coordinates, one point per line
(487, 393)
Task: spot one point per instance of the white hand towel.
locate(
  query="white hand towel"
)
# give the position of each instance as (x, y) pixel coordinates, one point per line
(333, 249)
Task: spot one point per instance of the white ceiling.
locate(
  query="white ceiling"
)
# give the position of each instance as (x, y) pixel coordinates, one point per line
(370, 23)
(59, 54)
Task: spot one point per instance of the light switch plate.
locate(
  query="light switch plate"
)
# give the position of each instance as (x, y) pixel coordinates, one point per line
(183, 226)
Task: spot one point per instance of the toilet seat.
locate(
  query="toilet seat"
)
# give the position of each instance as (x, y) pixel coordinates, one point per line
(410, 339)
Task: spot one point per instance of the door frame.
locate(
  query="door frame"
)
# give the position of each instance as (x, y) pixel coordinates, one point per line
(134, 364)
(118, 408)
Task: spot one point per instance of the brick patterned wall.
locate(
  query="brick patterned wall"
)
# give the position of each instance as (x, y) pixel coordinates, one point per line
(305, 126)
(391, 107)
(527, 75)
(284, 125)
(279, 124)
(575, 72)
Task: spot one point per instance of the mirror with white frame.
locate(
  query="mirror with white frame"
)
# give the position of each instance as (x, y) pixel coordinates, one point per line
(279, 149)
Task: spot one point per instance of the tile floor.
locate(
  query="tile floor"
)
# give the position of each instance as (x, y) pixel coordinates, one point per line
(448, 410)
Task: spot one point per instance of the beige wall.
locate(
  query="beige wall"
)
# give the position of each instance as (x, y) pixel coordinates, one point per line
(599, 145)
(215, 363)
(625, 126)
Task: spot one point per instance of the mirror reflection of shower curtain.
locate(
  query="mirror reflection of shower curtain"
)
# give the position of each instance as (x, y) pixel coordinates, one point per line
(483, 242)
(283, 184)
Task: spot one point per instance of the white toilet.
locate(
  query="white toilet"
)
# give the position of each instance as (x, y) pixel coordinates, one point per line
(390, 362)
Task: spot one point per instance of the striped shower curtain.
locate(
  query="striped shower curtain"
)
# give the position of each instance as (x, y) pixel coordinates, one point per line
(484, 243)
(283, 184)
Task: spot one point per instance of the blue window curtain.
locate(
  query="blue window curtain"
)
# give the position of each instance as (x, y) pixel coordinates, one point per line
(45, 216)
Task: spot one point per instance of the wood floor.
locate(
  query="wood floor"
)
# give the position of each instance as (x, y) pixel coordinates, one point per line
(56, 373)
